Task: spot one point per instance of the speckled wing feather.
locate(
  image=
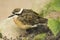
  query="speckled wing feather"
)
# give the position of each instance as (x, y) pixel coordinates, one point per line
(30, 17)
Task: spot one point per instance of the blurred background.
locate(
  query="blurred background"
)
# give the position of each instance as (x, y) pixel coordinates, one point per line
(6, 6)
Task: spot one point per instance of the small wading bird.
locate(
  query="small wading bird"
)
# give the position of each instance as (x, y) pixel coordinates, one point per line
(19, 22)
(27, 18)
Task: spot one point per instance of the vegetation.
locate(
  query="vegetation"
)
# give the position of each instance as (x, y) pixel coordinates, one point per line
(53, 24)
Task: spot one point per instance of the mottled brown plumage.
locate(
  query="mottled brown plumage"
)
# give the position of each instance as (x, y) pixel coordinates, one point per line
(30, 17)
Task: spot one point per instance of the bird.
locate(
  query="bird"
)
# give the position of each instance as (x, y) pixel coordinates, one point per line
(22, 22)
(27, 18)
